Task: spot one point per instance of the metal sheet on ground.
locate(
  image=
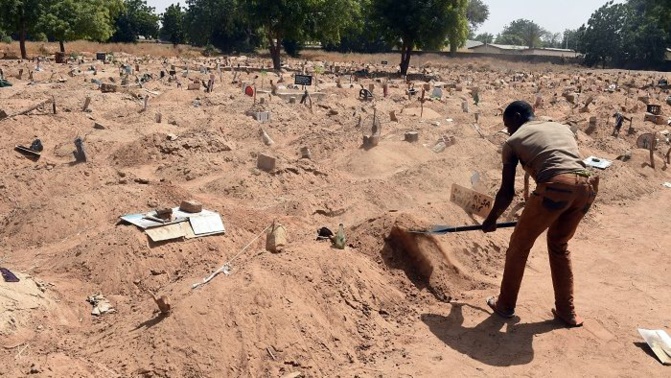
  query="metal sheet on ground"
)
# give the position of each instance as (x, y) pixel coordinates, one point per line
(139, 220)
(471, 201)
(660, 343)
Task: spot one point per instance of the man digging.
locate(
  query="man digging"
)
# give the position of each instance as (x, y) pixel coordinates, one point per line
(565, 191)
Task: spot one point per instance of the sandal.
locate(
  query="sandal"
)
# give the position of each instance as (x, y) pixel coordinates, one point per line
(571, 322)
(491, 302)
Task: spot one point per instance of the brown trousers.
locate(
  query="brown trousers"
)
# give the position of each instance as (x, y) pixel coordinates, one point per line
(557, 206)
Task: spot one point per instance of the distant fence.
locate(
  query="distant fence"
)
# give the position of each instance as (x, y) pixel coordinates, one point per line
(509, 58)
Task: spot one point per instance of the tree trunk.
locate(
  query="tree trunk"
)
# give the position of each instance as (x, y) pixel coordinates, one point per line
(406, 49)
(275, 55)
(275, 50)
(22, 43)
(453, 45)
(62, 46)
(453, 49)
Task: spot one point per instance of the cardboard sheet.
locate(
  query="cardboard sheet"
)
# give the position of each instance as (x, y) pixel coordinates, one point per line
(170, 232)
(471, 201)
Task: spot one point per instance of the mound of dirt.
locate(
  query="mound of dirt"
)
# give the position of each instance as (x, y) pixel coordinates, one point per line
(23, 303)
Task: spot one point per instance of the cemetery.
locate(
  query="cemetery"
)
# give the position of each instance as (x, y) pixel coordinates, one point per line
(213, 217)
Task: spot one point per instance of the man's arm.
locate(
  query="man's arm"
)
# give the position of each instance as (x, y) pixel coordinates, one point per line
(504, 197)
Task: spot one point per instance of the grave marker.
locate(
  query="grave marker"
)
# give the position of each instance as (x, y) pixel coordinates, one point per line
(262, 116)
(645, 140)
(392, 116)
(87, 102)
(411, 136)
(80, 154)
(591, 127)
(267, 140)
(303, 80)
(305, 153)
(265, 162)
(471, 201)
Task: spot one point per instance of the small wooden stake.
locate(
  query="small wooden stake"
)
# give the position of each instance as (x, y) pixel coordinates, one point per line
(87, 102)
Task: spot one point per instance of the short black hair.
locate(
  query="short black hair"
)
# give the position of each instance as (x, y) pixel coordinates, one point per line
(522, 107)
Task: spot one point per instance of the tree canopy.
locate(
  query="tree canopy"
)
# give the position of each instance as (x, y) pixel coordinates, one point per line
(420, 24)
(630, 34)
(21, 17)
(522, 32)
(485, 38)
(172, 25)
(476, 13)
(299, 21)
(570, 39)
(135, 20)
(68, 20)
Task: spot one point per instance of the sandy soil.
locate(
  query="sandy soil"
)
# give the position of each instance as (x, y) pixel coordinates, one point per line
(376, 309)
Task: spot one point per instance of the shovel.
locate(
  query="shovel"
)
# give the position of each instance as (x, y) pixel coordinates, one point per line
(442, 230)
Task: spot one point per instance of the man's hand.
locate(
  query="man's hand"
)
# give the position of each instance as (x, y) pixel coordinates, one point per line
(489, 225)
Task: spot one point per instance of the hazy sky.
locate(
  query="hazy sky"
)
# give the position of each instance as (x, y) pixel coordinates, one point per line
(552, 15)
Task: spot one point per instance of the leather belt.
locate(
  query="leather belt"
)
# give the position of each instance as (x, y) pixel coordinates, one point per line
(570, 178)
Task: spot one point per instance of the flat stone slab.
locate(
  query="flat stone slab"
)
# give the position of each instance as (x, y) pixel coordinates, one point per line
(286, 95)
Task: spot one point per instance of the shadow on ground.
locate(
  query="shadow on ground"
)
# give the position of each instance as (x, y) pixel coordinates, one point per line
(488, 342)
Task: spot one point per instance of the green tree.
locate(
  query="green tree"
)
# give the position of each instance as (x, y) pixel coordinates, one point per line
(485, 37)
(359, 35)
(552, 40)
(21, 17)
(422, 24)
(136, 19)
(476, 13)
(69, 20)
(221, 23)
(299, 21)
(602, 38)
(646, 33)
(172, 22)
(522, 32)
(570, 39)
(459, 29)
(509, 39)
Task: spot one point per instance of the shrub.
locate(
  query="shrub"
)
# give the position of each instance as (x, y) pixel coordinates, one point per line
(210, 50)
(40, 37)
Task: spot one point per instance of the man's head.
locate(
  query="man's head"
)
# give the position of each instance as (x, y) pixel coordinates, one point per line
(517, 114)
